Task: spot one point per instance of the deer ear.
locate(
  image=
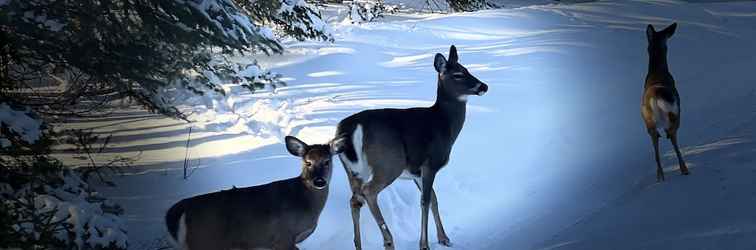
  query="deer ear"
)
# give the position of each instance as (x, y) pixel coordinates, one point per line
(295, 146)
(669, 31)
(650, 31)
(439, 62)
(453, 58)
(338, 145)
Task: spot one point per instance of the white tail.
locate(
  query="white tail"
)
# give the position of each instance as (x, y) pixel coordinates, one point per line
(181, 234)
(667, 107)
(359, 167)
(662, 110)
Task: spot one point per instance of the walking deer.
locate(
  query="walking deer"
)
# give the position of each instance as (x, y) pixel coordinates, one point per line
(384, 144)
(276, 215)
(660, 105)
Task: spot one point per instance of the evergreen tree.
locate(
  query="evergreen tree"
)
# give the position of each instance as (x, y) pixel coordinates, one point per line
(95, 51)
(291, 17)
(468, 5)
(64, 58)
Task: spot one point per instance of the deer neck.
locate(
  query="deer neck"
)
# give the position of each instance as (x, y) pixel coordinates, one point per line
(657, 64)
(450, 109)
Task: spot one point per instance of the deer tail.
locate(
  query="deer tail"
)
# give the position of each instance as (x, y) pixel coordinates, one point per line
(346, 129)
(667, 107)
(175, 220)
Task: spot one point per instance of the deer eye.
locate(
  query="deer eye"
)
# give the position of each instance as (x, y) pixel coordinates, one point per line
(308, 164)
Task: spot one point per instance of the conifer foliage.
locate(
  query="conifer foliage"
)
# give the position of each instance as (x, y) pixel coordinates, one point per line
(119, 48)
(63, 58)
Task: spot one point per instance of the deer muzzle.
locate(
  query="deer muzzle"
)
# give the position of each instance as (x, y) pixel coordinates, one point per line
(319, 183)
(482, 89)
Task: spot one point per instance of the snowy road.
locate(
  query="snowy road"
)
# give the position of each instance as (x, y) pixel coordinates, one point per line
(555, 156)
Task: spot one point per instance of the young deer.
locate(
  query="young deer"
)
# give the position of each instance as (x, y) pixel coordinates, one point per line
(276, 215)
(384, 144)
(660, 105)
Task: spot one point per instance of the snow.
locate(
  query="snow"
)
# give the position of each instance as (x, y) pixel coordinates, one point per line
(267, 33)
(88, 225)
(318, 23)
(288, 6)
(555, 156)
(222, 12)
(20, 122)
(310, 23)
(41, 20)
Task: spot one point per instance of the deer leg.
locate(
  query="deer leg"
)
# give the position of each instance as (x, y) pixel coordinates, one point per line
(428, 176)
(655, 140)
(683, 167)
(440, 232)
(371, 191)
(356, 205)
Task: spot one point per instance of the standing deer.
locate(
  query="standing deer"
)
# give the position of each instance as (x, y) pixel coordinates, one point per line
(660, 105)
(384, 144)
(276, 215)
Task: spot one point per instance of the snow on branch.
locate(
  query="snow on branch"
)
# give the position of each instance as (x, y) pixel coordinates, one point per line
(61, 212)
(20, 124)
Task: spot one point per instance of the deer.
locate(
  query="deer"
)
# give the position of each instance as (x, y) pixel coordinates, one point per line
(385, 144)
(277, 215)
(660, 103)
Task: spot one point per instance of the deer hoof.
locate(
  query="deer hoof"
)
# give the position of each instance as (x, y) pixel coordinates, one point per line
(445, 241)
(659, 176)
(388, 245)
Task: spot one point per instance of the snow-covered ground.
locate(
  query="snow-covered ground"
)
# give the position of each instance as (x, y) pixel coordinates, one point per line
(555, 156)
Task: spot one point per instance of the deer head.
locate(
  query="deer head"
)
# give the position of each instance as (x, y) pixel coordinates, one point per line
(316, 160)
(454, 79)
(657, 41)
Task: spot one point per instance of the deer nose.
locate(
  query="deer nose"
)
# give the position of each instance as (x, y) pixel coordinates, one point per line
(319, 183)
(482, 89)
